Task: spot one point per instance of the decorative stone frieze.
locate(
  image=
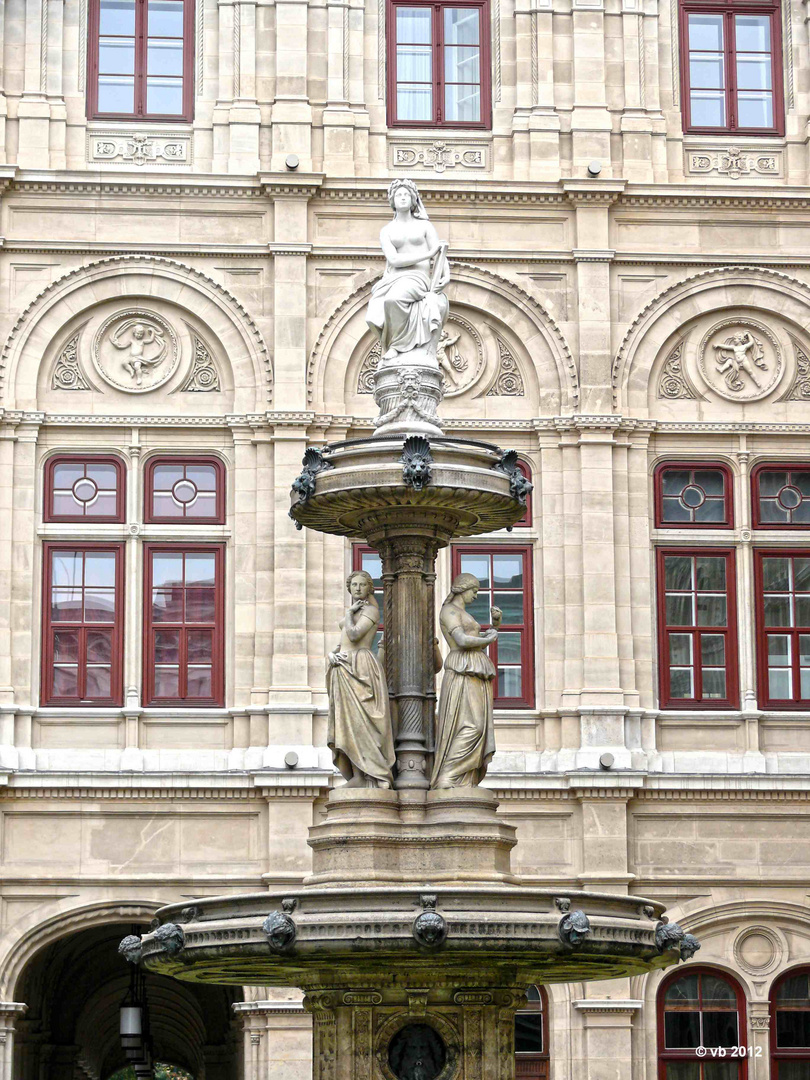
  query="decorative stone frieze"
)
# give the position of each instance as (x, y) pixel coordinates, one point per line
(137, 148)
(439, 155)
(734, 163)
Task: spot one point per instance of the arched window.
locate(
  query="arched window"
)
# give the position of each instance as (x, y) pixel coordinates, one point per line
(531, 1037)
(700, 1009)
(790, 1026)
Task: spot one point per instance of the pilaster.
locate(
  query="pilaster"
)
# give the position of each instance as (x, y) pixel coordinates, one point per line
(10, 1013)
(608, 1027)
(277, 1039)
(590, 121)
(292, 112)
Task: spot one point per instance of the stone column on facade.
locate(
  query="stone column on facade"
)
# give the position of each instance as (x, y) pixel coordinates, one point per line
(591, 122)
(292, 112)
(535, 123)
(759, 1040)
(51, 80)
(25, 645)
(525, 88)
(10, 1012)
(753, 758)
(244, 116)
(608, 1027)
(225, 66)
(3, 99)
(7, 448)
(33, 111)
(636, 127)
(345, 118)
(132, 757)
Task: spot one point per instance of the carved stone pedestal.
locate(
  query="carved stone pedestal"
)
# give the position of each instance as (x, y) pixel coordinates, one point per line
(408, 391)
(372, 836)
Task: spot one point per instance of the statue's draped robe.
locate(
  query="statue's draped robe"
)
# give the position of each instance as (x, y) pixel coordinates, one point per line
(405, 311)
(466, 724)
(359, 731)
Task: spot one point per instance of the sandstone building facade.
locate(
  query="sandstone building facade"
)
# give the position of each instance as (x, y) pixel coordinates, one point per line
(191, 198)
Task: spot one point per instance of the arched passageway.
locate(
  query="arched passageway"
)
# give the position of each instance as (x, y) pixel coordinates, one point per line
(74, 987)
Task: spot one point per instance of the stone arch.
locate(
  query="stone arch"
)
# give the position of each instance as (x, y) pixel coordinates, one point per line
(224, 318)
(659, 322)
(549, 360)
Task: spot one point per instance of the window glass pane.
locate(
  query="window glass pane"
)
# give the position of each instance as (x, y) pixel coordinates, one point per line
(478, 566)
(167, 606)
(66, 567)
(99, 646)
(711, 610)
(167, 682)
(461, 64)
(200, 568)
(164, 477)
(794, 991)
(778, 650)
(777, 611)
(679, 610)
(678, 572)
(414, 102)
(754, 109)
(674, 510)
(673, 481)
(711, 480)
(528, 1033)
(802, 481)
(462, 103)
(707, 71)
(720, 1028)
(713, 650)
(510, 683)
(771, 512)
(682, 994)
(99, 568)
(66, 605)
(753, 72)
(167, 646)
(801, 515)
(681, 683)
(117, 17)
(167, 569)
(801, 575)
(721, 1070)
(682, 1070)
(771, 481)
(164, 58)
(511, 604)
(165, 506)
(793, 1070)
(116, 94)
(479, 608)
(711, 510)
(199, 605)
(508, 570)
(103, 506)
(509, 648)
(461, 26)
(714, 683)
(706, 32)
(753, 33)
(780, 684)
(199, 646)
(65, 681)
(97, 683)
(804, 650)
(165, 18)
(804, 684)
(414, 63)
(413, 25)
(776, 574)
(372, 564)
(680, 649)
(199, 682)
(164, 96)
(801, 606)
(203, 476)
(708, 108)
(116, 57)
(710, 572)
(99, 605)
(66, 646)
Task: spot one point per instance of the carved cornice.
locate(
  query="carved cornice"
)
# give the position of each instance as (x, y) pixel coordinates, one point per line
(609, 1005)
(75, 184)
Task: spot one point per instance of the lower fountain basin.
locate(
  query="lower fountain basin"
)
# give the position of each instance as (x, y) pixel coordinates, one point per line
(483, 936)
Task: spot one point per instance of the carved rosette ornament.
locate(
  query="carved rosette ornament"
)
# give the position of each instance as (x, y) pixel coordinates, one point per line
(171, 938)
(136, 351)
(574, 928)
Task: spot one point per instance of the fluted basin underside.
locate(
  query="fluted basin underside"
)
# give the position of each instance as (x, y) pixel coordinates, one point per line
(363, 488)
(490, 936)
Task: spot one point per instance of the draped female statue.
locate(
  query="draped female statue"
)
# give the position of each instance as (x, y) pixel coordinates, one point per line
(407, 306)
(466, 735)
(359, 733)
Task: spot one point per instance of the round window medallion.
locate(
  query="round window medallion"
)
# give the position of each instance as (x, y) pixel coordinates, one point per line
(417, 1052)
(185, 491)
(789, 498)
(85, 490)
(758, 950)
(692, 496)
(741, 360)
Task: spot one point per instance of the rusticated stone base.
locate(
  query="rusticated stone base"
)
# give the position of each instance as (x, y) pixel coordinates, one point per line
(449, 836)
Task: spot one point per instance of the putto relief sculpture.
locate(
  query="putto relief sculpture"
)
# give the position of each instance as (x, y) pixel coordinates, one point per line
(466, 731)
(359, 735)
(408, 309)
(136, 351)
(741, 360)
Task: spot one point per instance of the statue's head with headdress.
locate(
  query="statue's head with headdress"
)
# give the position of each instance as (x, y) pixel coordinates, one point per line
(417, 206)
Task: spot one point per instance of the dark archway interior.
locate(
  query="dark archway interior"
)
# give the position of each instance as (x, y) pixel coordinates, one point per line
(74, 988)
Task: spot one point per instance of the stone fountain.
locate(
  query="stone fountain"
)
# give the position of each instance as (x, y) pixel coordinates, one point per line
(412, 939)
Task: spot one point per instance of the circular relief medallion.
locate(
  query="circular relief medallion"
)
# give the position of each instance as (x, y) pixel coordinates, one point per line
(758, 950)
(417, 1052)
(135, 351)
(741, 360)
(460, 353)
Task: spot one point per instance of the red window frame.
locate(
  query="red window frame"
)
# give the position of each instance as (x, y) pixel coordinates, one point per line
(693, 467)
(215, 625)
(183, 462)
(48, 515)
(438, 83)
(526, 628)
(50, 627)
(729, 632)
(667, 1056)
(141, 36)
(792, 1054)
(756, 476)
(792, 632)
(534, 1066)
(729, 9)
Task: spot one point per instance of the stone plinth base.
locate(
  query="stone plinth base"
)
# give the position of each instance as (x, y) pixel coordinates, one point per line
(373, 836)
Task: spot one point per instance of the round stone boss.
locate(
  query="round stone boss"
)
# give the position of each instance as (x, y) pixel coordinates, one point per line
(417, 1052)
(758, 950)
(135, 350)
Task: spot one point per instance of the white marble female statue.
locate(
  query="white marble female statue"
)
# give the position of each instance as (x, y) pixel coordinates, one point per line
(359, 732)
(407, 306)
(466, 732)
